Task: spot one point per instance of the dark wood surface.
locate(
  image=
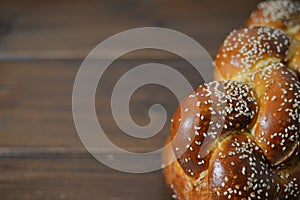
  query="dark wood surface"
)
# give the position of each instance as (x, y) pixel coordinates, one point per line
(42, 44)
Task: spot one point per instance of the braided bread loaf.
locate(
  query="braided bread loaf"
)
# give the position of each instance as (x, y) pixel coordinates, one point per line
(238, 137)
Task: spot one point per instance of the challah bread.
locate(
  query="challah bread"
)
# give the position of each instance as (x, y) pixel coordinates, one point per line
(284, 15)
(241, 161)
(238, 137)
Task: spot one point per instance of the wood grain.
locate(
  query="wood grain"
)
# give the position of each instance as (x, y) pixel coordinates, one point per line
(70, 29)
(42, 44)
(36, 103)
(67, 178)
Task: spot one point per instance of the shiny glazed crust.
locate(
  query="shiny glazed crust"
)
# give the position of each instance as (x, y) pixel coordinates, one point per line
(238, 137)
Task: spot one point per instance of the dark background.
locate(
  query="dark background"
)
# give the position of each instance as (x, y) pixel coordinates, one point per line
(42, 44)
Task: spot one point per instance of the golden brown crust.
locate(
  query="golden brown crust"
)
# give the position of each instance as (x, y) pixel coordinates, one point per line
(238, 138)
(241, 171)
(183, 186)
(277, 91)
(213, 110)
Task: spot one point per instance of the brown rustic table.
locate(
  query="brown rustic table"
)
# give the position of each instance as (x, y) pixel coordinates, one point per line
(42, 44)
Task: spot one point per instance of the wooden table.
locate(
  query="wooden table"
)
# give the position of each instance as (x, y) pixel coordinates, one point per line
(42, 44)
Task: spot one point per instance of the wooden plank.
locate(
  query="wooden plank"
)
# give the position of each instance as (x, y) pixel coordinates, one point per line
(36, 109)
(71, 28)
(57, 178)
(41, 154)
